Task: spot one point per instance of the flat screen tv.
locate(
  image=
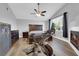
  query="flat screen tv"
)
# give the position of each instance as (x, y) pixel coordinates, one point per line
(74, 38)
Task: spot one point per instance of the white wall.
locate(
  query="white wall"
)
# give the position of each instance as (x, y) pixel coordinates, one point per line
(7, 16)
(46, 25)
(23, 25)
(72, 18)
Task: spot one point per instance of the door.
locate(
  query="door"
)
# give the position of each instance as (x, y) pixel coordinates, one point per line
(5, 39)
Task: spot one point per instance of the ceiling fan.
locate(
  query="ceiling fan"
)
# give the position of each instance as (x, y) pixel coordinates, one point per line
(38, 12)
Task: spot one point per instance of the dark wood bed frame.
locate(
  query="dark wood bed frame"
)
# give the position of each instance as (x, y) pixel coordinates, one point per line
(35, 27)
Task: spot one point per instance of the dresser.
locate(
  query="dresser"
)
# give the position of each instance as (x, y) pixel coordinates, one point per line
(14, 36)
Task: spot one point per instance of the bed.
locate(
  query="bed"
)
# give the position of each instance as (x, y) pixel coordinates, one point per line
(36, 32)
(35, 29)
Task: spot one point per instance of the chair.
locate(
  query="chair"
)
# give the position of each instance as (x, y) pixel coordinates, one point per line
(49, 39)
(47, 50)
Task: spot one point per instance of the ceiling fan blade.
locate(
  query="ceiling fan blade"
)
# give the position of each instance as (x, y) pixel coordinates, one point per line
(43, 12)
(35, 10)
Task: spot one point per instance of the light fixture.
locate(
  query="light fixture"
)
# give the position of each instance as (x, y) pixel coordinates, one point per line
(38, 14)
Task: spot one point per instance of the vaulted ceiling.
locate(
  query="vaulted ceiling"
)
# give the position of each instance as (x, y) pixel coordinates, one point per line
(23, 10)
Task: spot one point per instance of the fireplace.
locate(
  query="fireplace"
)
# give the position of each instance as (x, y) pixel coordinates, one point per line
(74, 38)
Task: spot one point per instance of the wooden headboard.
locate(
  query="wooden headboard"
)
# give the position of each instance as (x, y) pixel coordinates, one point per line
(35, 27)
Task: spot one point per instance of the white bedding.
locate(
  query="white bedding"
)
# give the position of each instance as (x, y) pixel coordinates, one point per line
(36, 32)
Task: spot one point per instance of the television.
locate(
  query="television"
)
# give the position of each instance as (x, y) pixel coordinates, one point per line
(74, 38)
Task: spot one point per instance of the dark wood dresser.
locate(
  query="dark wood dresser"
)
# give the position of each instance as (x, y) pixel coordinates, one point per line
(14, 36)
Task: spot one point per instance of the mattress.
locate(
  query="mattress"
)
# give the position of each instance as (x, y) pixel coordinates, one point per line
(36, 32)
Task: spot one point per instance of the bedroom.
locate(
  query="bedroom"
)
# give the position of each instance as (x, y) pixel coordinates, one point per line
(23, 16)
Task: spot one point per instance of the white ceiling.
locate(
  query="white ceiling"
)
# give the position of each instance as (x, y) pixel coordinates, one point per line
(23, 10)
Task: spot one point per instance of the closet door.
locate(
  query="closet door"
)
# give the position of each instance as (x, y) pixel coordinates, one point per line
(1, 43)
(5, 39)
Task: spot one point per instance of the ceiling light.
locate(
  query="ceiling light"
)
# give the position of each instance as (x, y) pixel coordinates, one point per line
(38, 14)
